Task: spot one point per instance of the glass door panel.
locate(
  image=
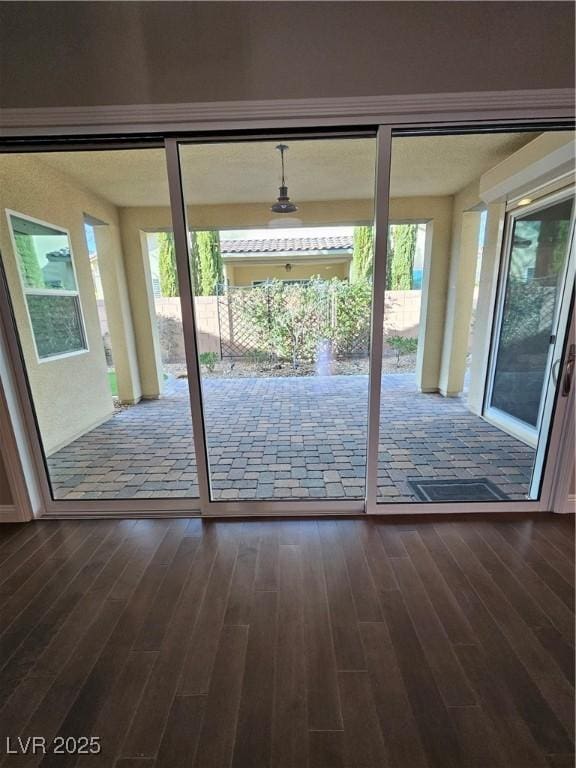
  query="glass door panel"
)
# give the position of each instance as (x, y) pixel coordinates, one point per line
(88, 256)
(437, 442)
(534, 278)
(280, 241)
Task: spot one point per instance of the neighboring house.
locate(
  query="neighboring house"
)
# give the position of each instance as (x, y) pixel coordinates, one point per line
(58, 272)
(293, 259)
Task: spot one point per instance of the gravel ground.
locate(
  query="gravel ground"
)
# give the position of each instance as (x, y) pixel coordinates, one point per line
(240, 369)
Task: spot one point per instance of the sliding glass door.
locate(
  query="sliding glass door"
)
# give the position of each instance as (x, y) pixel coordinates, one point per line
(88, 261)
(305, 323)
(534, 273)
(280, 239)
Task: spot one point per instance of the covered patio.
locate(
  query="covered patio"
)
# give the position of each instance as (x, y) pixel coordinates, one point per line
(289, 438)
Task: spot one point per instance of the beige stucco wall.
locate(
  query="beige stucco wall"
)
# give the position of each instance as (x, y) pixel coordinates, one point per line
(460, 292)
(437, 212)
(311, 214)
(245, 274)
(71, 395)
(134, 222)
(118, 312)
(484, 311)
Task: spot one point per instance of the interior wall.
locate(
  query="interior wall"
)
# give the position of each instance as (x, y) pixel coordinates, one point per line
(135, 53)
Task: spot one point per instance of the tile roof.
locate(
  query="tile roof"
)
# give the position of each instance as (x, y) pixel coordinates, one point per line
(287, 244)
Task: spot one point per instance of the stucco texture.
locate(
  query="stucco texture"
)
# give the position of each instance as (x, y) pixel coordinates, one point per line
(247, 274)
(71, 394)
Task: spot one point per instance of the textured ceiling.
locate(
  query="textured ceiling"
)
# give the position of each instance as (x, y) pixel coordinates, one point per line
(327, 169)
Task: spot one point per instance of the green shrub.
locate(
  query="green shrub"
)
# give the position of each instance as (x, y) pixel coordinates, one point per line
(293, 322)
(208, 360)
(402, 345)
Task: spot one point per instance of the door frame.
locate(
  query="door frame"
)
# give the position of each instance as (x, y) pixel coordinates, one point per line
(23, 129)
(493, 415)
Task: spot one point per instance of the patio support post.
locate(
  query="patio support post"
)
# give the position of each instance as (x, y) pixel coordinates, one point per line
(433, 305)
(118, 313)
(481, 340)
(460, 294)
(381, 204)
(137, 268)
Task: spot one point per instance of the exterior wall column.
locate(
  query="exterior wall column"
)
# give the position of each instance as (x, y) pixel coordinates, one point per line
(460, 294)
(433, 300)
(118, 313)
(141, 295)
(482, 336)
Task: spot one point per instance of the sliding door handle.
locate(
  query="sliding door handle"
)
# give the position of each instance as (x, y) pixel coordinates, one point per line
(569, 372)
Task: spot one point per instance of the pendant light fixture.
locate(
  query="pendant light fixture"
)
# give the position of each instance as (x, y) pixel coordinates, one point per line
(283, 205)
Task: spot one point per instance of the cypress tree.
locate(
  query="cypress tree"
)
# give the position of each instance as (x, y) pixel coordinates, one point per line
(210, 262)
(31, 271)
(167, 265)
(402, 263)
(194, 263)
(363, 253)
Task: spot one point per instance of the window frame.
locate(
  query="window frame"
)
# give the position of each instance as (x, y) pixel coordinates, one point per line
(27, 291)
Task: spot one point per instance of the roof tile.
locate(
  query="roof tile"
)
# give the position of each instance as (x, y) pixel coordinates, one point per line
(287, 244)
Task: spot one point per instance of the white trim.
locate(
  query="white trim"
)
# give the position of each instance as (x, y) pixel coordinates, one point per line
(27, 291)
(508, 423)
(506, 180)
(555, 481)
(414, 108)
(564, 502)
(8, 514)
(564, 339)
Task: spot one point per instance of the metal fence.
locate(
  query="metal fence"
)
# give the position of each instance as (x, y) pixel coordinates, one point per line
(345, 324)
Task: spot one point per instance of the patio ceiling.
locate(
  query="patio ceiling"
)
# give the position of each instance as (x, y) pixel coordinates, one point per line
(337, 169)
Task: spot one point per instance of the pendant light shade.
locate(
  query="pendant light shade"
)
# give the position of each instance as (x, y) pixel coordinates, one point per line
(283, 204)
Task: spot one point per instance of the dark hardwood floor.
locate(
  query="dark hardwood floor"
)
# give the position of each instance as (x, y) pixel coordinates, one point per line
(328, 644)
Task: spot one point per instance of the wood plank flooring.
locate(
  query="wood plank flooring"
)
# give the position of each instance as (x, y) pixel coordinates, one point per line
(290, 643)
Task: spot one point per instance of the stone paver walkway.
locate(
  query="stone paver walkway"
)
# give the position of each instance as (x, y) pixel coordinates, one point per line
(288, 438)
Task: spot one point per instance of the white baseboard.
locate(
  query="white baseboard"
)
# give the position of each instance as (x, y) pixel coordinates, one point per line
(9, 514)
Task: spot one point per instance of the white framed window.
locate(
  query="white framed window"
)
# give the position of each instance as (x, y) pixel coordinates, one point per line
(48, 277)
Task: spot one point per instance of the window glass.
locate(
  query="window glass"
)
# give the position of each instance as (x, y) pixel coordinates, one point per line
(49, 283)
(57, 324)
(43, 255)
